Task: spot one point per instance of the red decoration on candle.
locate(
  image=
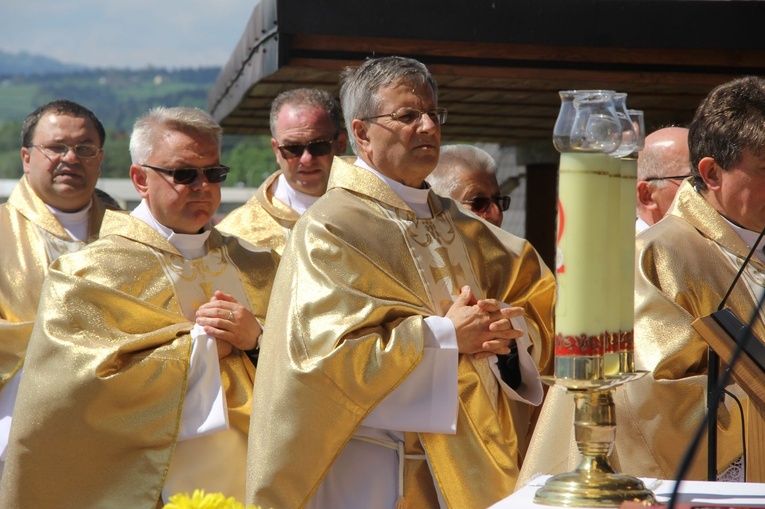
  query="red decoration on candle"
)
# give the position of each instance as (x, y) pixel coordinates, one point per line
(584, 345)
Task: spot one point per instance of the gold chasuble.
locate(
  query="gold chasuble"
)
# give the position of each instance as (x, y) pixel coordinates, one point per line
(33, 238)
(263, 221)
(99, 406)
(685, 264)
(346, 327)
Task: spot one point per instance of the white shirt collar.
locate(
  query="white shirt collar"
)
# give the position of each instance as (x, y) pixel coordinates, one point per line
(749, 237)
(417, 199)
(75, 223)
(298, 201)
(640, 225)
(191, 246)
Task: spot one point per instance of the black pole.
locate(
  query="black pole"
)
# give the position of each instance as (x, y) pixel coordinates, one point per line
(713, 369)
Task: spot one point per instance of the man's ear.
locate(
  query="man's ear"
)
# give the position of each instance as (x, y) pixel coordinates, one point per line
(275, 147)
(138, 176)
(645, 195)
(26, 153)
(710, 173)
(342, 142)
(359, 129)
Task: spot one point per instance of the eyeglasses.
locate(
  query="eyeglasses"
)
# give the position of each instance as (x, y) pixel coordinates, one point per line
(186, 176)
(482, 203)
(673, 177)
(316, 148)
(60, 150)
(409, 116)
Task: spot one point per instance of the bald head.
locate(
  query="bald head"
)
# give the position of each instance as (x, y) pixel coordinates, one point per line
(665, 155)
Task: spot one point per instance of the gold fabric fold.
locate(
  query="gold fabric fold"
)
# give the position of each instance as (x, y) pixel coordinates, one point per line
(261, 221)
(346, 327)
(99, 405)
(685, 264)
(33, 239)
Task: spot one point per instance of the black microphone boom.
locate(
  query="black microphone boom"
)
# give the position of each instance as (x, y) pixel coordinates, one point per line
(741, 334)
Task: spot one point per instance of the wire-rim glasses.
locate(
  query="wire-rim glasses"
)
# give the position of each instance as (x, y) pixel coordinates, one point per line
(84, 151)
(409, 116)
(672, 177)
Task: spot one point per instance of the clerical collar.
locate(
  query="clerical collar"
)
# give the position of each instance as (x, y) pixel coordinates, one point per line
(284, 192)
(417, 199)
(640, 225)
(190, 245)
(75, 223)
(749, 237)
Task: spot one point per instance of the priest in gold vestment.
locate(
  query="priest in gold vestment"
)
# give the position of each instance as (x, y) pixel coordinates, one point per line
(137, 384)
(306, 135)
(685, 264)
(51, 211)
(378, 383)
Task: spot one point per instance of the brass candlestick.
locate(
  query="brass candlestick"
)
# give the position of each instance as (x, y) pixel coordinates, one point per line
(594, 483)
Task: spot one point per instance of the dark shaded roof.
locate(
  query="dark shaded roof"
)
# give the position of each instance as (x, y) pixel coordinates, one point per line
(499, 63)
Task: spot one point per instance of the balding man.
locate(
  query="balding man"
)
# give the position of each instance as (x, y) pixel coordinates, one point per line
(662, 165)
(306, 135)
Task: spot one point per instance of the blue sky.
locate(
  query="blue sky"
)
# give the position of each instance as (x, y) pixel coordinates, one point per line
(125, 33)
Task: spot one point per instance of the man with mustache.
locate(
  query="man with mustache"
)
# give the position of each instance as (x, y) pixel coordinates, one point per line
(138, 384)
(50, 212)
(378, 381)
(306, 135)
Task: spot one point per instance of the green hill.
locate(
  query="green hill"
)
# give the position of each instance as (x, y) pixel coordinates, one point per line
(118, 97)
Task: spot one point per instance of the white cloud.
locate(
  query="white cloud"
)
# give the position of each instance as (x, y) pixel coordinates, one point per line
(133, 33)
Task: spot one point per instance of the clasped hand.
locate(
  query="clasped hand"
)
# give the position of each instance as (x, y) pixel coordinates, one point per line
(483, 327)
(229, 322)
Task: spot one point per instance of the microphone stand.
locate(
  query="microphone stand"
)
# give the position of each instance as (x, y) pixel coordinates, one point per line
(713, 373)
(741, 343)
(713, 403)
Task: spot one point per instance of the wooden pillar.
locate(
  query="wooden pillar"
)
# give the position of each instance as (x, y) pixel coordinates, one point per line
(541, 209)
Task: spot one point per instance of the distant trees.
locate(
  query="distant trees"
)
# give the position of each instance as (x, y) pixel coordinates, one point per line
(118, 97)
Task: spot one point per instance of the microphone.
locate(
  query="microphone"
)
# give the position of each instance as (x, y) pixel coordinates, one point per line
(741, 334)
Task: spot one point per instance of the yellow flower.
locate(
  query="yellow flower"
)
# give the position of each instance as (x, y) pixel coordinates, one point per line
(200, 500)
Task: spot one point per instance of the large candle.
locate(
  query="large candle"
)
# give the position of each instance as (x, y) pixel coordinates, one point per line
(580, 311)
(628, 170)
(613, 268)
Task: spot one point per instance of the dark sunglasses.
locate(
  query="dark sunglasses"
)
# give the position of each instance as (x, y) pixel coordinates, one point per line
(316, 148)
(186, 176)
(482, 203)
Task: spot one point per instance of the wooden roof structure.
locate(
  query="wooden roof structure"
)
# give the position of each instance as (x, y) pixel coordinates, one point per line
(499, 63)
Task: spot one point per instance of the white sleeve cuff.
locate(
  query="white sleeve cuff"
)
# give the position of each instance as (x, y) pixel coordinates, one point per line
(204, 409)
(426, 401)
(530, 391)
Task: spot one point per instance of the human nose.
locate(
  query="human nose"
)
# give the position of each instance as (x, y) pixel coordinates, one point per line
(426, 123)
(306, 156)
(66, 155)
(200, 181)
(493, 214)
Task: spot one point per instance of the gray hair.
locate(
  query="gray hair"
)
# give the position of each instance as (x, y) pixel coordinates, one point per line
(359, 86)
(147, 129)
(456, 158)
(306, 98)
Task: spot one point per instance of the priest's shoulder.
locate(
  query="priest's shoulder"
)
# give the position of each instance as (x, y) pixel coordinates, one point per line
(236, 243)
(671, 233)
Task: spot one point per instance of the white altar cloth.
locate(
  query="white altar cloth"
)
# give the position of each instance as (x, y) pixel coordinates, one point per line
(721, 493)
